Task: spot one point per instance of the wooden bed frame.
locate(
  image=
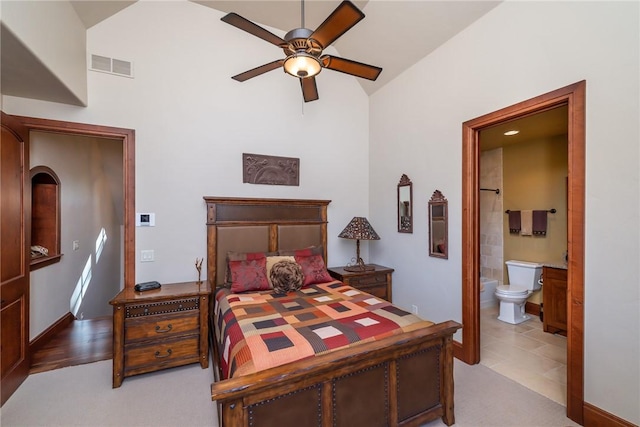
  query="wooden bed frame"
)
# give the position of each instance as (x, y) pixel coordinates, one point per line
(404, 380)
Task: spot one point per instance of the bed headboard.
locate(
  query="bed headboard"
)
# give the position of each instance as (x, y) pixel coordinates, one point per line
(261, 225)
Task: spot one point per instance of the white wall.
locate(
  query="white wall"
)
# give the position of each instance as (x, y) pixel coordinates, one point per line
(90, 172)
(54, 34)
(193, 122)
(517, 51)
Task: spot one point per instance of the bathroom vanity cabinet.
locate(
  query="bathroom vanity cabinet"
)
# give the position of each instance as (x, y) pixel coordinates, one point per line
(554, 299)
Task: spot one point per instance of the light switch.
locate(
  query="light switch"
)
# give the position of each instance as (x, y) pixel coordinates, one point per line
(146, 256)
(76, 245)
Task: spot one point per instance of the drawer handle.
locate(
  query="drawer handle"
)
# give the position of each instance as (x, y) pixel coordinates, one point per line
(164, 331)
(162, 357)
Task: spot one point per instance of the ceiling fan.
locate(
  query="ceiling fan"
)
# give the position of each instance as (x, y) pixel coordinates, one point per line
(303, 49)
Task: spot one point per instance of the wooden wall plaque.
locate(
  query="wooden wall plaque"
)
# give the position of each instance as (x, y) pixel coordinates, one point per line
(270, 170)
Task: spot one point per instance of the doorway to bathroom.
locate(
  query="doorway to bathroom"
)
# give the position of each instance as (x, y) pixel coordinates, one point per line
(573, 97)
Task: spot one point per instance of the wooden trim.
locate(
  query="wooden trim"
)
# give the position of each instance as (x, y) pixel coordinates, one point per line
(574, 96)
(532, 308)
(48, 334)
(127, 138)
(457, 350)
(470, 245)
(575, 272)
(596, 417)
(44, 261)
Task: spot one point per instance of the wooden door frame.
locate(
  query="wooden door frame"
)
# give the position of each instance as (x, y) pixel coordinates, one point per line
(127, 137)
(574, 96)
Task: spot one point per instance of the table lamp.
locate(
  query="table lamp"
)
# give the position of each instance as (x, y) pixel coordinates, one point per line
(359, 229)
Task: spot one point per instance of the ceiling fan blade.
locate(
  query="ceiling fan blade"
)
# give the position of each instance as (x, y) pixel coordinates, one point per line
(309, 89)
(254, 29)
(348, 66)
(258, 70)
(345, 16)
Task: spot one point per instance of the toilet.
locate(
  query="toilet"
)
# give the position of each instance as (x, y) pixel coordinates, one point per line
(524, 278)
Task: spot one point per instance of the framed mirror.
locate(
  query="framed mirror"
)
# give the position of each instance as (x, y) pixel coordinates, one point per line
(438, 243)
(405, 205)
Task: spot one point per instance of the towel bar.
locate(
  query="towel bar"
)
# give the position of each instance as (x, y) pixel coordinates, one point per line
(496, 190)
(548, 210)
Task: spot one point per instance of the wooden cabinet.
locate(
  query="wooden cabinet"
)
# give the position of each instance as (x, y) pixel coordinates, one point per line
(160, 329)
(376, 282)
(554, 299)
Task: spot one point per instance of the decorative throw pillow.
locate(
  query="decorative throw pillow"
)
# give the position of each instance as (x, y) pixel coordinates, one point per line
(313, 269)
(249, 275)
(312, 262)
(242, 256)
(286, 276)
(272, 260)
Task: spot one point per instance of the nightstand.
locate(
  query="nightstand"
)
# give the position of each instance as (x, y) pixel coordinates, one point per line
(376, 282)
(160, 329)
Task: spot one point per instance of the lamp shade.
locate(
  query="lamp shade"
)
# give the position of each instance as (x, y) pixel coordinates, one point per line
(301, 64)
(359, 228)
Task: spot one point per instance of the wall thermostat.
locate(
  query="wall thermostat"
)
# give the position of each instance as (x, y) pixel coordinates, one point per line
(145, 219)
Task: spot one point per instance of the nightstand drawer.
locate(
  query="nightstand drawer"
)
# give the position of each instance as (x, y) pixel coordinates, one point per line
(162, 352)
(379, 291)
(160, 326)
(373, 279)
(162, 307)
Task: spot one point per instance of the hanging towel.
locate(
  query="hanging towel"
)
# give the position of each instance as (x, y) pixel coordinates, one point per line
(514, 222)
(526, 218)
(539, 226)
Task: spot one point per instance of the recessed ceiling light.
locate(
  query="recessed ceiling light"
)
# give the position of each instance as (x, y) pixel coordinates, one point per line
(511, 132)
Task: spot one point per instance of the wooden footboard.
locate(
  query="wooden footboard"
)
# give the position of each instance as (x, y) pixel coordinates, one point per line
(404, 380)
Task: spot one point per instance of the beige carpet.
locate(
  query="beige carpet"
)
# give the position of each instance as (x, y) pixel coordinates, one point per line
(82, 396)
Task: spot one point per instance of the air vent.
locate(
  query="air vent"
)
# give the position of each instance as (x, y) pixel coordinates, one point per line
(113, 66)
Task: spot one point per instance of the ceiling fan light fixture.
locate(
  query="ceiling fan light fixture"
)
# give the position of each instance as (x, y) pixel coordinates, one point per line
(302, 65)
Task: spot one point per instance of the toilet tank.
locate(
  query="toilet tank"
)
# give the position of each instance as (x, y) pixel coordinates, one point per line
(524, 273)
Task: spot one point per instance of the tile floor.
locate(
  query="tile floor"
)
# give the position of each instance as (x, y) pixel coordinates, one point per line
(525, 353)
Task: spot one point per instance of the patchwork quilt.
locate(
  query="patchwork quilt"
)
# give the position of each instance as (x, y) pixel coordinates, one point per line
(261, 330)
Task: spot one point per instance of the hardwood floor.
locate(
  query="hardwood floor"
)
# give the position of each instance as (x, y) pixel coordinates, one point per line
(83, 341)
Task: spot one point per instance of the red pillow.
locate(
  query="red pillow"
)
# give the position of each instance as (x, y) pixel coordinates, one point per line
(313, 269)
(242, 256)
(249, 274)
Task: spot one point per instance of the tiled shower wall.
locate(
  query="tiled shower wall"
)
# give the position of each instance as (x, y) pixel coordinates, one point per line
(492, 216)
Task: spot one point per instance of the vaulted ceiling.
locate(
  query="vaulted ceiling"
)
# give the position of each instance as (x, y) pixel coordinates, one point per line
(394, 34)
